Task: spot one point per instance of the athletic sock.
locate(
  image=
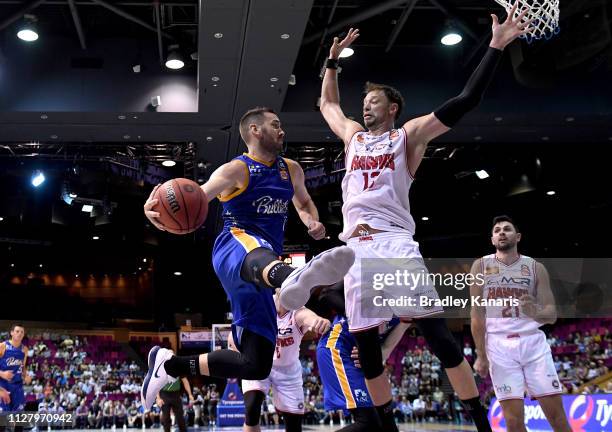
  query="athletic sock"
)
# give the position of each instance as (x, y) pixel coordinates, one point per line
(385, 413)
(183, 366)
(478, 413)
(278, 273)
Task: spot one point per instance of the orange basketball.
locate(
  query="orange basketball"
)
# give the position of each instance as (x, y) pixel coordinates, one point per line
(182, 205)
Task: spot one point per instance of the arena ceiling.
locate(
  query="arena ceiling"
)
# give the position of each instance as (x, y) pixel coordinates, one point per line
(549, 100)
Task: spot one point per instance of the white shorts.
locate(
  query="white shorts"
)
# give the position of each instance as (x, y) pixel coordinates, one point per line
(383, 246)
(519, 364)
(287, 388)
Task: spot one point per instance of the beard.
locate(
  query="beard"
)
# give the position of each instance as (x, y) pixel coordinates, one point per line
(505, 246)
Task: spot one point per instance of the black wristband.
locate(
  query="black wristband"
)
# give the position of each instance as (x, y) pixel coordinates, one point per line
(331, 63)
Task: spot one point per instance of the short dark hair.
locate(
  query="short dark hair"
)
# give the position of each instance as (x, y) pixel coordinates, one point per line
(504, 218)
(254, 115)
(392, 94)
(16, 325)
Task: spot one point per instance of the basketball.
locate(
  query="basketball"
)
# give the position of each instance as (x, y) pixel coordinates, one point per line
(182, 205)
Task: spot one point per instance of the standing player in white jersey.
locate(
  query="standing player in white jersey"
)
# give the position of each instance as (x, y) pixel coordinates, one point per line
(380, 165)
(286, 374)
(509, 344)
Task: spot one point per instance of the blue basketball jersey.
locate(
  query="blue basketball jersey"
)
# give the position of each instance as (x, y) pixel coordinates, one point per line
(12, 360)
(344, 385)
(261, 207)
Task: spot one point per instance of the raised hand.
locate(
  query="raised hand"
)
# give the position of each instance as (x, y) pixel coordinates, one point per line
(510, 29)
(339, 45)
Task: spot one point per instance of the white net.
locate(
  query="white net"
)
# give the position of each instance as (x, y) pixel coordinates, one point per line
(220, 336)
(545, 14)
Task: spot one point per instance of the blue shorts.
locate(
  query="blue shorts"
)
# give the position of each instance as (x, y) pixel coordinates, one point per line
(17, 402)
(252, 306)
(344, 385)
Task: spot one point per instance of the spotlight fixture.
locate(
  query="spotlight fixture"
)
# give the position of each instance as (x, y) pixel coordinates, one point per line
(168, 163)
(87, 208)
(27, 32)
(346, 52)
(482, 174)
(95, 238)
(551, 193)
(425, 218)
(174, 59)
(38, 178)
(178, 273)
(451, 36)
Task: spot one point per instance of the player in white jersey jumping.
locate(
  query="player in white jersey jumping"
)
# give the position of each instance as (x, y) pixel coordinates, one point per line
(380, 164)
(509, 344)
(286, 374)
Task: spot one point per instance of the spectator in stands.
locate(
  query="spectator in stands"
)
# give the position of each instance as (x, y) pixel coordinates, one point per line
(418, 408)
(120, 414)
(107, 414)
(134, 419)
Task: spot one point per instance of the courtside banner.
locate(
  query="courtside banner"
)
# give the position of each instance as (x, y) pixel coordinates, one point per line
(196, 339)
(585, 413)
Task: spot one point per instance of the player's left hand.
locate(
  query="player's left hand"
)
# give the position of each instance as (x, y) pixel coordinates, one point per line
(510, 29)
(355, 357)
(5, 396)
(320, 325)
(529, 306)
(316, 230)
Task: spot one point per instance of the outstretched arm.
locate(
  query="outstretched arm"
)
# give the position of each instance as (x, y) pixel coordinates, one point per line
(421, 130)
(306, 209)
(228, 179)
(308, 320)
(342, 126)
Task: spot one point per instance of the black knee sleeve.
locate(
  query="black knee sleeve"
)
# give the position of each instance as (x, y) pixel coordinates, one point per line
(441, 341)
(253, 362)
(254, 263)
(293, 422)
(252, 407)
(370, 353)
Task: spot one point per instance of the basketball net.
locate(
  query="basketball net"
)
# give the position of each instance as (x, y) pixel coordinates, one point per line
(545, 14)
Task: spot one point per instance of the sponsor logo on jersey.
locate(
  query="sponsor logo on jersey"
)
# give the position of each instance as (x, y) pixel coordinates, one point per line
(255, 170)
(283, 174)
(361, 395)
(268, 205)
(555, 383)
(360, 138)
(393, 134)
(489, 270)
(301, 405)
(285, 331)
(525, 270)
(506, 292)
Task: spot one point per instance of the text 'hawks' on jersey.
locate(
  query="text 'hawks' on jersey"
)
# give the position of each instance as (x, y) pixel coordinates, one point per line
(288, 340)
(261, 206)
(508, 282)
(377, 182)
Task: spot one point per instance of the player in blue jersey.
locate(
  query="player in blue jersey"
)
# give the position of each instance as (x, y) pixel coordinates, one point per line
(255, 190)
(13, 356)
(344, 386)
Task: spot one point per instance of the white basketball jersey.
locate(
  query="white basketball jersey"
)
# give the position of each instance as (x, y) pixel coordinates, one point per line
(504, 282)
(288, 340)
(376, 185)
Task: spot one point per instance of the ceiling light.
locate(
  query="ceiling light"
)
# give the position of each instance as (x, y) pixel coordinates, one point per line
(569, 119)
(218, 35)
(498, 119)
(139, 268)
(451, 38)
(168, 163)
(95, 238)
(178, 273)
(27, 34)
(144, 260)
(40, 265)
(273, 79)
(87, 208)
(346, 52)
(1, 218)
(551, 193)
(215, 78)
(12, 265)
(175, 59)
(482, 174)
(545, 138)
(425, 218)
(72, 195)
(285, 36)
(38, 178)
